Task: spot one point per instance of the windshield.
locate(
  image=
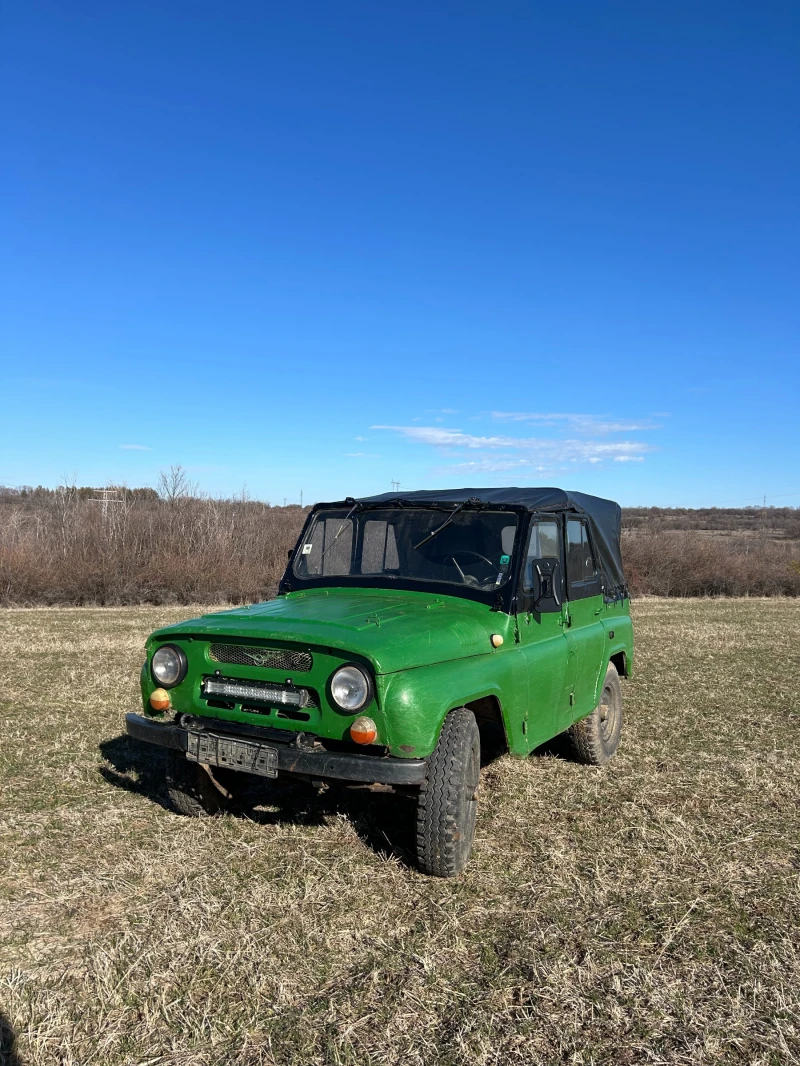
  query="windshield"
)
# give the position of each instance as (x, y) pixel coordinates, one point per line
(462, 547)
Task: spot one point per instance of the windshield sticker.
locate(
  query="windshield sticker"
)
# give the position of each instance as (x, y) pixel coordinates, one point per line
(307, 549)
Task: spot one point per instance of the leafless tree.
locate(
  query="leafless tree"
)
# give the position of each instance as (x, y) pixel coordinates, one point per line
(174, 485)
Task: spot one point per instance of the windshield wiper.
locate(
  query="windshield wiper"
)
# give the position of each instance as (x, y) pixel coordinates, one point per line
(439, 529)
(340, 530)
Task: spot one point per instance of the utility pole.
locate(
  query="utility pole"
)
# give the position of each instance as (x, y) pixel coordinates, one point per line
(395, 485)
(301, 497)
(106, 498)
(284, 501)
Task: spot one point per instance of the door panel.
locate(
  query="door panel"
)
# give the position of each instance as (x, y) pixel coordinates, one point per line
(585, 608)
(586, 640)
(543, 643)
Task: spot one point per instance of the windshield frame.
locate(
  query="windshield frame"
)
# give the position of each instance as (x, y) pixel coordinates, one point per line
(502, 598)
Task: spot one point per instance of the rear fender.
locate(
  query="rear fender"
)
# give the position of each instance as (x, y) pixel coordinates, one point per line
(619, 649)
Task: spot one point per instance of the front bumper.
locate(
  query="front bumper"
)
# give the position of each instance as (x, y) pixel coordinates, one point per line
(292, 758)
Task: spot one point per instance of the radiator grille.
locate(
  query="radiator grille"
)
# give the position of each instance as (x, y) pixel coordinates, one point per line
(298, 662)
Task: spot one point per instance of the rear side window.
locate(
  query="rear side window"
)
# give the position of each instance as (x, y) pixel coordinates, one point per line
(582, 575)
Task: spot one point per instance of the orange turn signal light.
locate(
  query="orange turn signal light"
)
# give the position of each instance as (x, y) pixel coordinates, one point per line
(159, 699)
(363, 731)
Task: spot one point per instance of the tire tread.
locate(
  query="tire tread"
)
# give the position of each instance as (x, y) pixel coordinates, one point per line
(440, 850)
(190, 790)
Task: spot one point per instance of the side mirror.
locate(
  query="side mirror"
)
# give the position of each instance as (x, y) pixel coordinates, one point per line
(290, 553)
(546, 585)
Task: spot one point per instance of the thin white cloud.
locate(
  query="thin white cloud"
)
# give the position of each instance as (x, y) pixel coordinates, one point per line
(359, 438)
(535, 452)
(493, 466)
(360, 455)
(135, 448)
(576, 422)
(452, 438)
(562, 449)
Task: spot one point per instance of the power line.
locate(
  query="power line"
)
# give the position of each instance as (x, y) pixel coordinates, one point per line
(758, 499)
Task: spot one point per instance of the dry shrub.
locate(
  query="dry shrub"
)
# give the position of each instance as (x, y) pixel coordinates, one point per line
(65, 549)
(693, 564)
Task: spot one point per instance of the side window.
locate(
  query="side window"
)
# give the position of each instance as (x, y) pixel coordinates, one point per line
(543, 544)
(379, 548)
(582, 576)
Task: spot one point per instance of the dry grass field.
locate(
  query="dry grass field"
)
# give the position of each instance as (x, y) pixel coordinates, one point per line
(645, 913)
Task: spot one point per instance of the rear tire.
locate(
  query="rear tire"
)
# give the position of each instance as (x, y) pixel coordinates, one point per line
(190, 790)
(448, 799)
(595, 739)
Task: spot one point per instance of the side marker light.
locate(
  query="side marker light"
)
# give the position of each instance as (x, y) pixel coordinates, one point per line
(159, 699)
(363, 731)
(497, 640)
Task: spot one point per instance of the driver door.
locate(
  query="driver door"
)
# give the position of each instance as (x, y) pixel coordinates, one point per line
(549, 664)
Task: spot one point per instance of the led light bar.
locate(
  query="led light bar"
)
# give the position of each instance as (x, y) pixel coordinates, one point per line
(252, 690)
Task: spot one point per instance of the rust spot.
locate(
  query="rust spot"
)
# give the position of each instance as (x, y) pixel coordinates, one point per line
(408, 748)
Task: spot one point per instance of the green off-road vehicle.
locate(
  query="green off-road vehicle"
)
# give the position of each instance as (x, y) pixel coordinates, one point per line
(408, 631)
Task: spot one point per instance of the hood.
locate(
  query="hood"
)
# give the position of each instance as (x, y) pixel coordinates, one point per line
(394, 629)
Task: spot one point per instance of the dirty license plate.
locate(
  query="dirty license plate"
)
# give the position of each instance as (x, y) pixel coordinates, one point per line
(246, 755)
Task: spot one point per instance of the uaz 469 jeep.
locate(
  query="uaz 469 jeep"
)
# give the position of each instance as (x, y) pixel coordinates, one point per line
(407, 629)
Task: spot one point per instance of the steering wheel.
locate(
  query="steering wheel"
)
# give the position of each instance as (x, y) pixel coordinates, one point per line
(469, 579)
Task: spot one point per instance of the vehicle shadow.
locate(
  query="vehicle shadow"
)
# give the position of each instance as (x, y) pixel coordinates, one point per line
(385, 822)
(135, 767)
(557, 748)
(8, 1043)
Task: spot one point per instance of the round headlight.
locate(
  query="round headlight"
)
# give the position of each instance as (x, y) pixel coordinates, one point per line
(350, 688)
(168, 665)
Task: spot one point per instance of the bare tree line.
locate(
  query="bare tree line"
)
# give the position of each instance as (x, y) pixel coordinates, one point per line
(78, 545)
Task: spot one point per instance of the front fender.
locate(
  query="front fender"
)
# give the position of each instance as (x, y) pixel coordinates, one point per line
(415, 702)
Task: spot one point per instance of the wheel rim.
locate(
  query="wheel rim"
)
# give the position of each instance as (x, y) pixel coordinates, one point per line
(471, 797)
(609, 713)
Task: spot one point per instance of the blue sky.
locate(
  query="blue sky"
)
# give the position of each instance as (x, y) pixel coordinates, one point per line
(328, 246)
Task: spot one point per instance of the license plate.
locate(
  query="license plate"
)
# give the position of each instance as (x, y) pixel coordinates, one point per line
(246, 755)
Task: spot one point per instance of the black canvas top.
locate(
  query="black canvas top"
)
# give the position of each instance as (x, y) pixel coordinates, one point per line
(605, 517)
